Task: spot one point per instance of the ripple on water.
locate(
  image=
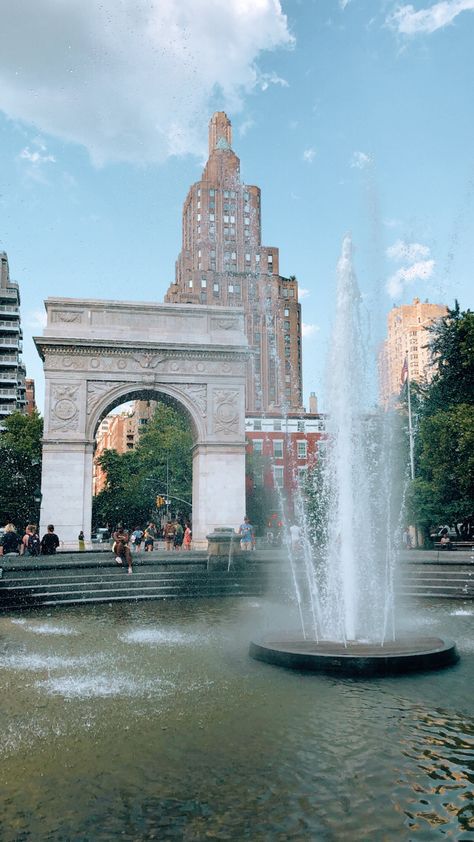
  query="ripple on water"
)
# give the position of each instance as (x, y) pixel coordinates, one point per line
(35, 661)
(47, 628)
(159, 636)
(105, 686)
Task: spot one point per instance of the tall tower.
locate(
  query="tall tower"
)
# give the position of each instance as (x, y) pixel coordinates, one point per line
(222, 261)
(407, 338)
(12, 370)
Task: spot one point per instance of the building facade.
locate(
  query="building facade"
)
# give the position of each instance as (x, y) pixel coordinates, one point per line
(407, 338)
(12, 370)
(223, 262)
(120, 432)
(30, 396)
(288, 447)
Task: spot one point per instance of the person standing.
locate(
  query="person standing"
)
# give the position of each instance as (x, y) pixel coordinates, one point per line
(136, 539)
(31, 543)
(246, 533)
(10, 543)
(178, 535)
(168, 535)
(150, 535)
(187, 537)
(82, 541)
(49, 542)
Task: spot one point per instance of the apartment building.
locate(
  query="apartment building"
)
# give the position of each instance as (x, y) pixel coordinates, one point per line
(12, 370)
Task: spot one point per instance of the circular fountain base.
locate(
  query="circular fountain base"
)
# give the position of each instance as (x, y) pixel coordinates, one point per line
(356, 658)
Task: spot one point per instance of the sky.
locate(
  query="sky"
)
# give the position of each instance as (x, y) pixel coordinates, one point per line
(350, 115)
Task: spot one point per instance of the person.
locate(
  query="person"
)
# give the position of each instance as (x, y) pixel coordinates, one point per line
(295, 537)
(82, 541)
(150, 535)
(136, 539)
(445, 541)
(178, 535)
(187, 537)
(246, 535)
(406, 540)
(31, 544)
(49, 542)
(168, 534)
(121, 548)
(10, 543)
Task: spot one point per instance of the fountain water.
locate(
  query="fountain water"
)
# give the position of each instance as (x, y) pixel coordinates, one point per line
(348, 621)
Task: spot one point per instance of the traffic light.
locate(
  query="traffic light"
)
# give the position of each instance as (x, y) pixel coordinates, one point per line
(160, 501)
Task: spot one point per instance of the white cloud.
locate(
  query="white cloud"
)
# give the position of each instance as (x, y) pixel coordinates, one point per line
(267, 79)
(344, 3)
(407, 21)
(420, 271)
(360, 160)
(308, 155)
(303, 293)
(36, 158)
(132, 81)
(309, 330)
(407, 252)
(246, 126)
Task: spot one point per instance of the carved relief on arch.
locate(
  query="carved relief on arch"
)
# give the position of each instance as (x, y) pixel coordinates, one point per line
(226, 413)
(64, 413)
(98, 389)
(198, 394)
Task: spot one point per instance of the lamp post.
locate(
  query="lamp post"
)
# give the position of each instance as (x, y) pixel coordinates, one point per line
(37, 497)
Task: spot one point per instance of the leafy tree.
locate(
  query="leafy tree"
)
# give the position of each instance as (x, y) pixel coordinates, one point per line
(160, 464)
(443, 490)
(261, 500)
(20, 468)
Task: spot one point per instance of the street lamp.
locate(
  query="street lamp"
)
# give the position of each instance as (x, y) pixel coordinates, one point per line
(37, 497)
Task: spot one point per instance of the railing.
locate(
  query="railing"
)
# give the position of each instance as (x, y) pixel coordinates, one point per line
(10, 376)
(10, 340)
(8, 393)
(10, 324)
(9, 308)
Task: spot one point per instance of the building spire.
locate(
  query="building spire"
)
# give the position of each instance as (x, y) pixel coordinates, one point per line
(220, 132)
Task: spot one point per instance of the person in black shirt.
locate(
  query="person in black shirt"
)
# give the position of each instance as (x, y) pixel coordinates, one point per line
(49, 541)
(10, 542)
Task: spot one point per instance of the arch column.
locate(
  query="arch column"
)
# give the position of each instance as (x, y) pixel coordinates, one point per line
(66, 488)
(218, 488)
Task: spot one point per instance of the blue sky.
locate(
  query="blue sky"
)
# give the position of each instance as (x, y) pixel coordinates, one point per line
(349, 114)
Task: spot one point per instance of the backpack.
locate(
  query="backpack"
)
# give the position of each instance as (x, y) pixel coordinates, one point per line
(34, 545)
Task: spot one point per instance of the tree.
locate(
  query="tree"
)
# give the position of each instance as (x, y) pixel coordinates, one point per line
(20, 468)
(160, 464)
(261, 499)
(443, 490)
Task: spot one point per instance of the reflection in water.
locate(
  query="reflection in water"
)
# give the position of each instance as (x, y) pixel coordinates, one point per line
(150, 721)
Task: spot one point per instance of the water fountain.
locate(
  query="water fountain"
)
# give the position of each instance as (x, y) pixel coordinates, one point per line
(345, 591)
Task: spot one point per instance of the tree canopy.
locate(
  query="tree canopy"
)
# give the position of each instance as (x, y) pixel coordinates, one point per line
(20, 468)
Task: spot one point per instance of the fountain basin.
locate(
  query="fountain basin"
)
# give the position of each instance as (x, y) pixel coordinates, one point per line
(356, 658)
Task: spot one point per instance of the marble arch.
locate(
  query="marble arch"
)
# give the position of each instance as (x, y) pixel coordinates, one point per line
(98, 353)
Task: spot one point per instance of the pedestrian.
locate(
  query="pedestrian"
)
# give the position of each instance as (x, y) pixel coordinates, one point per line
(178, 535)
(121, 549)
(49, 542)
(168, 534)
(246, 533)
(136, 539)
(10, 543)
(295, 537)
(82, 541)
(187, 537)
(150, 535)
(31, 544)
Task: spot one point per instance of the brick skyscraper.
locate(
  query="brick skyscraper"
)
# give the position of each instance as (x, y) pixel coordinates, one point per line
(222, 261)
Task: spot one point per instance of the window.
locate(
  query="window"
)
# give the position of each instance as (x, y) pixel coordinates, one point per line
(257, 258)
(212, 192)
(215, 288)
(226, 218)
(203, 283)
(232, 194)
(270, 258)
(199, 191)
(246, 196)
(302, 447)
(277, 426)
(190, 284)
(257, 424)
(278, 448)
(278, 476)
(199, 217)
(212, 217)
(257, 445)
(300, 426)
(232, 219)
(286, 325)
(302, 473)
(231, 287)
(246, 220)
(247, 257)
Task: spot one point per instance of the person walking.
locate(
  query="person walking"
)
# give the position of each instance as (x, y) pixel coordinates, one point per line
(82, 541)
(136, 539)
(246, 533)
(49, 541)
(10, 543)
(121, 548)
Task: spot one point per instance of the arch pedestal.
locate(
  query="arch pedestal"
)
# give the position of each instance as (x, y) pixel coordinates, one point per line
(98, 354)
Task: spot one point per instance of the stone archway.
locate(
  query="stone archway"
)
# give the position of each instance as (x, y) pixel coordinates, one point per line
(96, 353)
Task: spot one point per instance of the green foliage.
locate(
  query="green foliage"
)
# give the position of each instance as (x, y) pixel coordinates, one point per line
(261, 500)
(317, 497)
(20, 468)
(443, 490)
(135, 478)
